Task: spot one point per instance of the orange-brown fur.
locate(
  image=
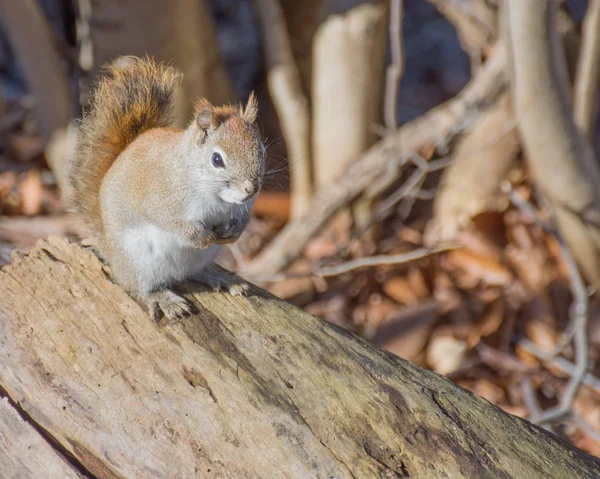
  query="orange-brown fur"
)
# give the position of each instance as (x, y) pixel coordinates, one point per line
(156, 202)
(134, 96)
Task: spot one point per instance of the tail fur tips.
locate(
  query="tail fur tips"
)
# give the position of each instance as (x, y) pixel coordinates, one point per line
(135, 95)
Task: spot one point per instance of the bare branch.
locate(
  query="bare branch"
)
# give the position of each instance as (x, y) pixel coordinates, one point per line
(395, 69)
(588, 71)
(475, 23)
(379, 260)
(559, 363)
(578, 313)
(561, 160)
(470, 185)
(285, 86)
(531, 402)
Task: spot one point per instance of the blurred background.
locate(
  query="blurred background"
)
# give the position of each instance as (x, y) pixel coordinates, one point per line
(414, 194)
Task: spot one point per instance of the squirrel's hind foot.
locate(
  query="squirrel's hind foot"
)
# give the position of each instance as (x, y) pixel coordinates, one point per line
(219, 280)
(172, 305)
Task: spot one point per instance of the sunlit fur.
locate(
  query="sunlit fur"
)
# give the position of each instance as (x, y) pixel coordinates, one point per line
(137, 183)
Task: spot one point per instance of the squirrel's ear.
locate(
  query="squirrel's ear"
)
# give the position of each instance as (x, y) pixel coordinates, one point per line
(251, 110)
(206, 119)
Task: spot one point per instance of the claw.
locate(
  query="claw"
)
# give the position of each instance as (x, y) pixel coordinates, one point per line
(170, 304)
(218, 280)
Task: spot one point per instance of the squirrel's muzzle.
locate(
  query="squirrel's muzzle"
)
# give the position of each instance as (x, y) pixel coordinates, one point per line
(247, 189)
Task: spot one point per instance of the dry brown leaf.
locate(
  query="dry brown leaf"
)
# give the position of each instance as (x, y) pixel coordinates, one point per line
(427, 151)
(417, 283)
(445, 354)
(521, 237)
(541, 326)
(555, 251)
(399, 290)
(8, 180)
(479, 244)
(410, 235)
(445, 292)
(488, 323)
(490, 225)
(516, 410)
(479, 268)
(376, 312)
(31, 191)
(531, 266)
(406, 333)
(489, 390)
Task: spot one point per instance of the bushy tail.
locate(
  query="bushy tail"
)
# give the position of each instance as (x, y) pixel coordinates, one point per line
(136, 95)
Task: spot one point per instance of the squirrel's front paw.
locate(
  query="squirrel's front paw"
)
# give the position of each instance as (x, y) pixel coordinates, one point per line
(203, 238)
(228, 232)
(166, 301)
(218, 280)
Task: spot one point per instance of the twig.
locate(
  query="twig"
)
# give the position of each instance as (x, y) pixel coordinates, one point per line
(408, 187)
(379, 260)
(395, 69)
(585, 427)
(530, 400)
(588, 71)
(571, 329)
(559, 363)
(292, 106)
(578, 313)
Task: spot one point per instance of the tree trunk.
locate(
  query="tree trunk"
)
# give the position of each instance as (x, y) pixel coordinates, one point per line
(24, 452)
(561, 158)
(248, 387)
(348, 64)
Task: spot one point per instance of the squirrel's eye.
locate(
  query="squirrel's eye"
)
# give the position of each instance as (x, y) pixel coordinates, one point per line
(217, 160)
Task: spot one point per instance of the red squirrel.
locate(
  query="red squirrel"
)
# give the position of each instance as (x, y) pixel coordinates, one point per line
(159, 201)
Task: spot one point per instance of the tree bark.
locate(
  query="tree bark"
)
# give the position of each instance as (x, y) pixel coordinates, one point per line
(248, 387)
(23, 451)
(560, 157)
(348, 65)
(588, 72)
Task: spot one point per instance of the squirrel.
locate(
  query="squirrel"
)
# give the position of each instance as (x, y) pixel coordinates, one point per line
(159, 201)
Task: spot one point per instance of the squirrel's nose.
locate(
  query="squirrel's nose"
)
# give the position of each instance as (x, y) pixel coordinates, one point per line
(248, 188)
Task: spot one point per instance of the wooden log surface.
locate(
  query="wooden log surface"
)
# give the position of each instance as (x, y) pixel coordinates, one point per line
(24, 453)
(248, 387)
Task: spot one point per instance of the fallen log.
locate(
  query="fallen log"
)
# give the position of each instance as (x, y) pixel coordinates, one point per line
(247, 387)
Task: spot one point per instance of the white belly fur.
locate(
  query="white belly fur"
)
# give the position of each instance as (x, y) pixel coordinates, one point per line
(162, 258)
